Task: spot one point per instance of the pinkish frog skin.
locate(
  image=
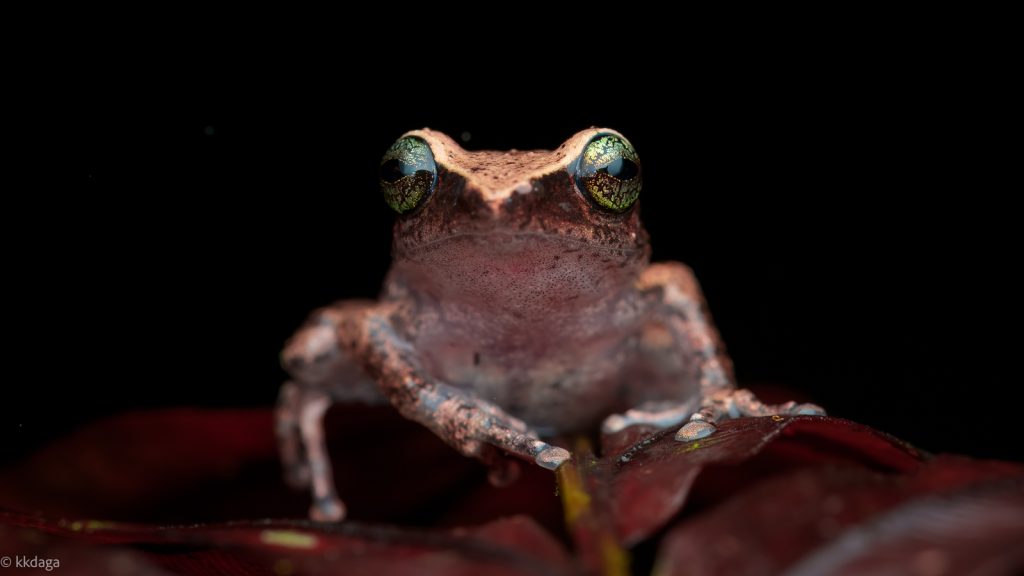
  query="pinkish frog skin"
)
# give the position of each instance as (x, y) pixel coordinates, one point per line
(520, 304)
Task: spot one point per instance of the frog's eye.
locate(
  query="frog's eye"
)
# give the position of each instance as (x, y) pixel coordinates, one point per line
(408, 174)
(609, 172)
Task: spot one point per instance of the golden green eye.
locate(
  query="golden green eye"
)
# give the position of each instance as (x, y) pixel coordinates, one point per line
(408, 174)
(609, 172)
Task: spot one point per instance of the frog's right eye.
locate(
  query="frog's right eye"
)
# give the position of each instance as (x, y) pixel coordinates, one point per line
(408, 174)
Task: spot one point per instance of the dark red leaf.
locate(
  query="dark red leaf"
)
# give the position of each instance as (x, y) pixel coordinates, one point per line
(797, 493)
(653, 478)
(951, 516)
(511, 546)
(174, 466)
(67, 556)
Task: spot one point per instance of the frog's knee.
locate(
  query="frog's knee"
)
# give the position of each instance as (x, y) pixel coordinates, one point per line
(669, 274)
(311, 351)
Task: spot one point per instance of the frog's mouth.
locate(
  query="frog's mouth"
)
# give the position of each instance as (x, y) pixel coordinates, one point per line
(491, 241)
(528, 272)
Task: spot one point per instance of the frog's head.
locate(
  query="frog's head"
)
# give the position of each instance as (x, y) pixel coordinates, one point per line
(563, 223)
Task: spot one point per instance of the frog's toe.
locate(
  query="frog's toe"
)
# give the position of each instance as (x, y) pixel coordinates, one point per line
(327, 510)
(615, 423)
(552, 457)
(657, 414)
(808, 410)
(695, 430)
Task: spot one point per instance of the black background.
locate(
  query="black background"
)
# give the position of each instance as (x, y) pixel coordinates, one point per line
(844, 222)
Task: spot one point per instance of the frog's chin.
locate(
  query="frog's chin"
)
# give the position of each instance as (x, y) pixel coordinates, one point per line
(524, 271)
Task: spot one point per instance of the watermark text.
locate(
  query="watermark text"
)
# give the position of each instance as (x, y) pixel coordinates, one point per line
(39, 562)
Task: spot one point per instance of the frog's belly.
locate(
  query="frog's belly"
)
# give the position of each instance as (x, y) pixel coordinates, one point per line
(552, 392)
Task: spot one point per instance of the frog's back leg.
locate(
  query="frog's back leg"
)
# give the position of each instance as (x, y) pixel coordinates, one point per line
(682, 371)
(321, 354)
(324, 370)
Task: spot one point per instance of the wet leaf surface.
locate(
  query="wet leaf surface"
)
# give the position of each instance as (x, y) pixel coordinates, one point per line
(200, 492)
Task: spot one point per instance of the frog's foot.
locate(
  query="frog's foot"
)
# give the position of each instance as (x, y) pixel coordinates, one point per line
(328, 509)
(484, 431)
(699, 426)
(504, 470)
(730, 403)
(551, 457)
(657, 414)
(500, 438)
(300, 415)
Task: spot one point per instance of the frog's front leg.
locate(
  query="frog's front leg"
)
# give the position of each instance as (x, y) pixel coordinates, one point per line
(470, 424)
(320, 358)
(690, 362)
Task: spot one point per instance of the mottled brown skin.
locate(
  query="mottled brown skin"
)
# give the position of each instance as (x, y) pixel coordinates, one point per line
(515, 308)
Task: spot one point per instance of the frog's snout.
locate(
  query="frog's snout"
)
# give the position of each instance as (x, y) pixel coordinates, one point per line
(498, 201)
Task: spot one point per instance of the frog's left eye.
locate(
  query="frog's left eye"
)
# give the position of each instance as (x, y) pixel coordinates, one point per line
(609, 172)
(408, 174)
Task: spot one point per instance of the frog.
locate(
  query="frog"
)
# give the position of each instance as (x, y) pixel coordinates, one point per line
(521, 305)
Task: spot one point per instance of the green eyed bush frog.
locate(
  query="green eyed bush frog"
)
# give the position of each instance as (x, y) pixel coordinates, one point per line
(520, 305)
